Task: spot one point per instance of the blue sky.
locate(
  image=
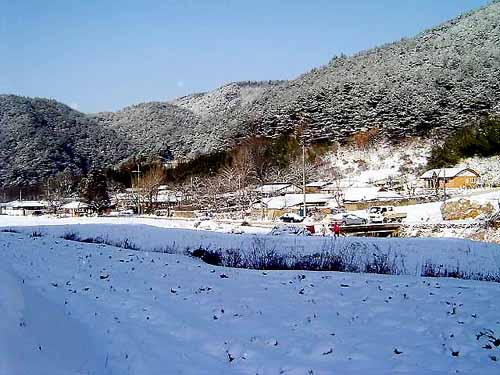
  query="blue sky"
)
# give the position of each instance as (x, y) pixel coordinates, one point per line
(98, 55)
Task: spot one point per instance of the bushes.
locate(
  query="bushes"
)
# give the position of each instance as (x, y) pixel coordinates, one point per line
(70, 236)
(382, 264)
(433, 270)
(482, 139)
(338, 259)
(125, 244)
(9, 230)
(341, 259)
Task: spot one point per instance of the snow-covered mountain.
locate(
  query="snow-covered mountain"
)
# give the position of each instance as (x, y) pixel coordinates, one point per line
(443, 78)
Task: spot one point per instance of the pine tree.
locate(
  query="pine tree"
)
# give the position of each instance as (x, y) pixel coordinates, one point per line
(93, 190)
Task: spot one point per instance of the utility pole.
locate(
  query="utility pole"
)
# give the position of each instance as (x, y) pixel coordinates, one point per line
(192, 191)
(304, 172)
(239, 193)
(138, 172)
(444, 184)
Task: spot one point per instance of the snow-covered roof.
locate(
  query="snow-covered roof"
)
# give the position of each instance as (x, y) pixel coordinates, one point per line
(167, 197)
(274, 188)
(27, 204)
(318, 184)
(293, 200)
(345, 183)
(377, 175)
(388, 195)
(449, 172)
(75, 205)
(361, 194)
(370, 194)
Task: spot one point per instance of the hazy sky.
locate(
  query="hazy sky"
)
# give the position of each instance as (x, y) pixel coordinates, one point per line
(98, 55)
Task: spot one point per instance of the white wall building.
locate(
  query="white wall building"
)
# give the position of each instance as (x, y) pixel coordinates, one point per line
(25, 208)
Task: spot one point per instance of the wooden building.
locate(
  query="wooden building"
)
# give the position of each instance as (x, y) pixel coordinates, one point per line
(453, 178)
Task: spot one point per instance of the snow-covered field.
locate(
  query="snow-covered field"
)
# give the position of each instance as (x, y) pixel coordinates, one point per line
(410, 254)
(75, 308)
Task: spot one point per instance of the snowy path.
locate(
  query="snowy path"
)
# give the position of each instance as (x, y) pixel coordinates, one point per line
(149, 313)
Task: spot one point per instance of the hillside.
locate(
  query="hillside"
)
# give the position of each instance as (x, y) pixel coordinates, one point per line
(442, 79)
(40, 137)
(152, 128)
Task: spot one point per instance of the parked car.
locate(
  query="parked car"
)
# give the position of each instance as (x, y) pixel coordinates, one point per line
(348, 219)
(338, 210)
(162, 212)
(385, 214)
(291, 218)
(125, 213)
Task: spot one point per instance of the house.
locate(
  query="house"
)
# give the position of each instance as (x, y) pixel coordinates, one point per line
(315, 186)
(453, 178)
(167, 198)
(275, 189)
(373, 193)
(342, 185)
(274, 207)
(75, 208)
(25, 208)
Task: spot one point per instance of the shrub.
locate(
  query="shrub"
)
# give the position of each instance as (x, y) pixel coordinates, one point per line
(125, 244)
(9, 230)
(334, 259)
(381, 264)
(430, 269)
(482, 139)
(70, 236)
(208, 256)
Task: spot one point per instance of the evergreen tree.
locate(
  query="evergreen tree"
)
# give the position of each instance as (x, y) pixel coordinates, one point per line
(93, 190)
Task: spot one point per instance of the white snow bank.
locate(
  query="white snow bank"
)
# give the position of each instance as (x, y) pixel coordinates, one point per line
(38, 336)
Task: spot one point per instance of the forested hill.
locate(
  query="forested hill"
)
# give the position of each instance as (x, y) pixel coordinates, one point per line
(40, 137)
(442, 79)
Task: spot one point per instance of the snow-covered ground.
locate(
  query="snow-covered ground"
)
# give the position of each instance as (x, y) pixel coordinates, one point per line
(21, 221)
(378, 162)
(431, 212)
(75, 308)
(410, 254)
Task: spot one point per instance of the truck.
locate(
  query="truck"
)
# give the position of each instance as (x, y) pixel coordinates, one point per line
(385, 214)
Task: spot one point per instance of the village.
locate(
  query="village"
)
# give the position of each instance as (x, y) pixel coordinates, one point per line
(381, 207)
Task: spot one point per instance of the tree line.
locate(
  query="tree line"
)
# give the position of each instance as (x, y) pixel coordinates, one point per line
(480, 139)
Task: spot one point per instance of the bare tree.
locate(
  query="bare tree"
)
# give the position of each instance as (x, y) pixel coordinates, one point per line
(292, 173)
(59, 187)
(335, 176)
(244, 166)
(254, 154)
(148, 187)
